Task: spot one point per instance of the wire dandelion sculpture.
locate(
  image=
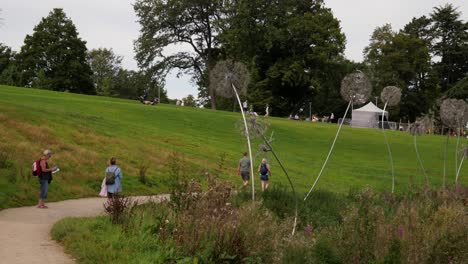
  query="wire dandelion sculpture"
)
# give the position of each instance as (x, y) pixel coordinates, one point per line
(454, 114)
(260, 126)
(417, 129)
(228, 79)
(391, 95)
(355, 89)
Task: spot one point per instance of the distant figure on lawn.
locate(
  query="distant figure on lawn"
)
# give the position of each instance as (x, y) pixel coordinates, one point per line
(243, 169)
(265, 172)
(45, 177)
(113, 178)
(245, 106)
(143, 101)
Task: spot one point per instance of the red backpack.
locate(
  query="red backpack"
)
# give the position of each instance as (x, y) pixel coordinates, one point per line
(36, 168)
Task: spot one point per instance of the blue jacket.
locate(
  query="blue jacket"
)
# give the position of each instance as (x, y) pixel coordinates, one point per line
(117, 186)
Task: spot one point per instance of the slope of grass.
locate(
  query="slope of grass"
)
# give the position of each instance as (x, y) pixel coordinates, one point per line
(85, 131)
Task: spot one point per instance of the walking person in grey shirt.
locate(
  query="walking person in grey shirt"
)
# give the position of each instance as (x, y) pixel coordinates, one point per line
(243, 169)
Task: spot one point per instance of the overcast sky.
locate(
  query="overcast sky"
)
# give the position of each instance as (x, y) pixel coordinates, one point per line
(112, 24)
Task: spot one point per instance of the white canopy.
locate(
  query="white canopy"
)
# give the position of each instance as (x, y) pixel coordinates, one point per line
(370, 107)
(367, 116)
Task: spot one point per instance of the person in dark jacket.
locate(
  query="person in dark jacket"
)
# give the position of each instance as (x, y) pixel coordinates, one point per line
(265, 172)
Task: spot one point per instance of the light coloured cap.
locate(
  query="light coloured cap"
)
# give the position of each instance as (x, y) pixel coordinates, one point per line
(47, 152)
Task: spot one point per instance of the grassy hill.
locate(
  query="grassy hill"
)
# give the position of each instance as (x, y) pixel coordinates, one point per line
(85, 131)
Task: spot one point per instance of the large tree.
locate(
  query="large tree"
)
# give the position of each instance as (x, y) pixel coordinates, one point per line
(166, 23)
(8, 71)
(55, 57)
(291, 47)
(450, 45)
(105, 65)
(402, 59)
(6, 57)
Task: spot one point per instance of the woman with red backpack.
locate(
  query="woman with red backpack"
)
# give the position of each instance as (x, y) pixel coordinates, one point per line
(45, 177)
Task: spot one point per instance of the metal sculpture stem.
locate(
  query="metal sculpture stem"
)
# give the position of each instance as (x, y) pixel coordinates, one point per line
(419, 159)
(445, 159)
(388, 147)
(330, 152)
(456, 150)
(287, 176)
(458, 171)
(247, 135)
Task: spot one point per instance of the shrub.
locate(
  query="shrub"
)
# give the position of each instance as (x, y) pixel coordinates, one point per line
(120, 208)
(142, 174)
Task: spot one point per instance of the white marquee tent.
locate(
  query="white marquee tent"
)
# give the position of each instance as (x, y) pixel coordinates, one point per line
(367, 116)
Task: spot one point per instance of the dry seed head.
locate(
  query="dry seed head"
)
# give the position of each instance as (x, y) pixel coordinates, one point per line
(417, 128)
(454, 113)
(227, 73)
(257, 126)
(356, 87)
(391, 95)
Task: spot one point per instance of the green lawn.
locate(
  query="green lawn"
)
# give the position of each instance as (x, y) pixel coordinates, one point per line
(85, 131)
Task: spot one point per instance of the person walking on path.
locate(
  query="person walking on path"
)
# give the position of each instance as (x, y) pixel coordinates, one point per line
(243, 169)
(265, 172)
(45, 177)
(113, 178)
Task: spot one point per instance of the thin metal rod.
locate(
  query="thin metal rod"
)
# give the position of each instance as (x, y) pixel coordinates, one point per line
(247, 135)
(456, 150)
(287, 176)
(459, 168)
(445, 159)
(329, 153)
(419, 159)
(388, 147)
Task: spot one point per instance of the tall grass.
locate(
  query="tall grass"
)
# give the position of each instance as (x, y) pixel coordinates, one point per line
(421, 226)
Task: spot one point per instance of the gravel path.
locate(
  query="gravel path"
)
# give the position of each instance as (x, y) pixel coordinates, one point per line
(25, 231)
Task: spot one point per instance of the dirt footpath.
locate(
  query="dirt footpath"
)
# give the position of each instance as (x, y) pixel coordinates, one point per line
(25, 231)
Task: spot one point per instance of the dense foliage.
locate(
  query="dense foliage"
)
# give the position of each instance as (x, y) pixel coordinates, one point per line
(293, 50)
(54, 57)
(427, 59)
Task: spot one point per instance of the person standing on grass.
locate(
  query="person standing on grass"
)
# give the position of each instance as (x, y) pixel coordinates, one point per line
(265, 172)
(113, 178)
(45, 177)
(243, 169)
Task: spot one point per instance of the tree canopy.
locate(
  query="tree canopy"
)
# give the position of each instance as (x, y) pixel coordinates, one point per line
(54, 57)
(166, 23)
(105, 66)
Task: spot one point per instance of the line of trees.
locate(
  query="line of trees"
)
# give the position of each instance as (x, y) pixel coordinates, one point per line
(295, 52)
(427, 58)
(293, 49)
(54, 57)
